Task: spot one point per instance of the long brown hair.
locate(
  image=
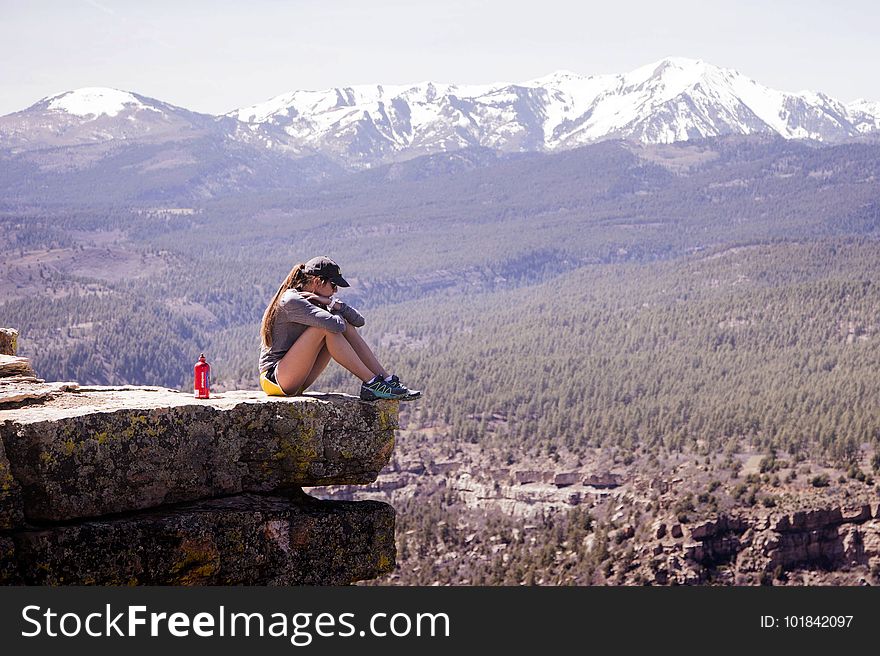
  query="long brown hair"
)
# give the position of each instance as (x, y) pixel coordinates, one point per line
(296, 279)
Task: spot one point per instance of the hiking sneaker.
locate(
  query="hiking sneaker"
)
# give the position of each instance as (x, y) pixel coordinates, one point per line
(414, 394)
(393, 389)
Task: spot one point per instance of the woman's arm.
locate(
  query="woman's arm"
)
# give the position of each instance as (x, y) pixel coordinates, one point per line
(295, 308)
(348, 313)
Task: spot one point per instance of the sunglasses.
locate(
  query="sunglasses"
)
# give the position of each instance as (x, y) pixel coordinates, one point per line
(330, 282)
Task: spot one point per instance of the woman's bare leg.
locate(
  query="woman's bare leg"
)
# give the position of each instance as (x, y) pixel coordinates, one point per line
(364, 352)
(344, 354)
(319, 366)
(295, 368)
(296, 365)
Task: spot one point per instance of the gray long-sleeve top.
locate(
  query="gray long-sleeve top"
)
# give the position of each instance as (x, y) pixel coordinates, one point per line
(294, 315)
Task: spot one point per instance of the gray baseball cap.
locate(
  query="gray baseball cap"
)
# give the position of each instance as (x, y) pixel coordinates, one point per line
(325, 268)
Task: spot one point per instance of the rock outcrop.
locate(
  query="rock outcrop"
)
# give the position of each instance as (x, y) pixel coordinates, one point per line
(151, 486)
(239, 540)
(761, 549)
(100, 451)
(603, 480)
(11, 365)
(8, 341)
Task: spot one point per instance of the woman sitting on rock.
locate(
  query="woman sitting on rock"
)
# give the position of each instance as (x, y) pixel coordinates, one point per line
(305, 325)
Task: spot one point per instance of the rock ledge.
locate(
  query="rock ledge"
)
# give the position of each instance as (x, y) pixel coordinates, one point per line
(145, 485)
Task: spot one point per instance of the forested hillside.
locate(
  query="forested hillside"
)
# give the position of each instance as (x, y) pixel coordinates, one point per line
(773, 344)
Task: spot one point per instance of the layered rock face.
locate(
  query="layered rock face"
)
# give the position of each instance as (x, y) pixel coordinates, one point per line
(761, 549)
(151, 486)
(240, 540)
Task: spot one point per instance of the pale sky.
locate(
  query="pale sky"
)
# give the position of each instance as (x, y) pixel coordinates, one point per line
(215, 56)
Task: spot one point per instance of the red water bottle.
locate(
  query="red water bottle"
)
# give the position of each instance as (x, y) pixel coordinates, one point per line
(202, 384)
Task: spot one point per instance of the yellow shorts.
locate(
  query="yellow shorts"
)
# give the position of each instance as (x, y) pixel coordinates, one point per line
(270, 388)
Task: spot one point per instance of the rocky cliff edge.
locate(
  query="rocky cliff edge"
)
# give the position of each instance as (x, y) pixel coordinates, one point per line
(141, 485)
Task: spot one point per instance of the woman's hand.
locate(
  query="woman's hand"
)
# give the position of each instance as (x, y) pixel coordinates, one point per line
(315, 298)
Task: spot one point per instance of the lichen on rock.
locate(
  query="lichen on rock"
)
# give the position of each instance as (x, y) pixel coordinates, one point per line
(11, 513)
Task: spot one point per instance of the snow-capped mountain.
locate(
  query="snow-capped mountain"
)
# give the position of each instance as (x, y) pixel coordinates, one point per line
(95, 115)
(105, 143)
(670, 100)
(865, 114)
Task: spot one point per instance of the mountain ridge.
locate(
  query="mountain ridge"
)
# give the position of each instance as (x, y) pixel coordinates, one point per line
(361, 127)
(670, 100)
